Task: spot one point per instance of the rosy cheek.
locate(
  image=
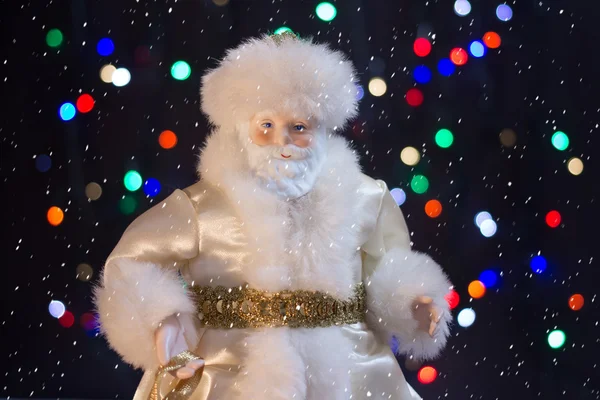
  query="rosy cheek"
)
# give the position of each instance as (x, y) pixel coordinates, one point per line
(303, 141)
(259, 137)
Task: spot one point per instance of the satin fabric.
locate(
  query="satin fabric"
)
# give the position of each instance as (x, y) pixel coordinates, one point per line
(198, 232)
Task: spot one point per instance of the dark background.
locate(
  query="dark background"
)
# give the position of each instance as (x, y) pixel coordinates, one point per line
(542, 78)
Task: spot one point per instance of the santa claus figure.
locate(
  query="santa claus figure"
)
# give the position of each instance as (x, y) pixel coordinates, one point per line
(284, 272)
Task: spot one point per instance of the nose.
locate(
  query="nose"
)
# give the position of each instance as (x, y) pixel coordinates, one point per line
(281, 137)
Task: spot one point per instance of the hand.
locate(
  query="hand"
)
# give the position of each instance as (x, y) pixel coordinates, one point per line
(170, 341)
(426, 313)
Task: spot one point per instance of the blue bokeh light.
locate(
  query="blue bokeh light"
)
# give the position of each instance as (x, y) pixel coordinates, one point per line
(151, 187)
(67, 111)
(477, 49)
(399, 195)
(105, 47)
(422, 74)
(489, 278)
(445, 67)
(538, 264)
(43, 163)
(504, 12)
(360, 92)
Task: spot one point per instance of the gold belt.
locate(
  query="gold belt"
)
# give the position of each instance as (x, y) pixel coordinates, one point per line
(243, 307)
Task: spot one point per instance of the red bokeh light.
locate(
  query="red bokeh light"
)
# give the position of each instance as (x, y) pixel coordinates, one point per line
(459, 56)
(492, 40)
(414, 97)
(553, 219)
(85, 103)
(427, 375)
(67, 320)
(453, 299)
(576, 302)
(422, 47)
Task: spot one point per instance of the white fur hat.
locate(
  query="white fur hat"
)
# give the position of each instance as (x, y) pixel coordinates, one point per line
(281, 73)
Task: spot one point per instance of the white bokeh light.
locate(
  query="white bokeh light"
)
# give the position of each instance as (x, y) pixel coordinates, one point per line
(121, 77)
(399, 195)
(482, 216)
(410, 156)
(466, 317)
(106, 73)
(462, 7)
(488, 228)
(377, 87)
(56, 308)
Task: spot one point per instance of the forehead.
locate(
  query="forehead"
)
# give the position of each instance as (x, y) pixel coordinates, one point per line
(281, 115)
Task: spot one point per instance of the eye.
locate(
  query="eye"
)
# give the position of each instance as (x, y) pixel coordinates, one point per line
(299, 127)
(267, 125)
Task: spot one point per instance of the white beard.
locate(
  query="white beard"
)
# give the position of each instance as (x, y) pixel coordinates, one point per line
(288, 178)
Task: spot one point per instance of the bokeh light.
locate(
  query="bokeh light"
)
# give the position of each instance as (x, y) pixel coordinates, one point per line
(67, 111)
(414, 97)
(419, 184)
(508, 137)
(433, 208)
(105, 47)
(444, 138)
(462, 7)
(489, 278)
(54, 38)
(360, 92)
(560, 140)
(43, 163)
(121, 77)
(466, 317)
(453, 299)
(477, 49)
(85, 272)
(220, 3)
(399, 195)
(377, 87)
(282, 29)
(56, 308)
(458, 56)
(422, 74)
(538, 264)
(67, 320)
(93, 191)
(476, 289)
(576, 302)
(575, 166)
(88, 321)
(482, 216)
(326, 11)
(556, 339)
(410, 156)
(492, 40)
(85, 103)
(127, 205)
(152, 187)
(446, 67)
(181, 70)
(106, 73)
(422, 47)
(553, 219)
(167, 139)
(55, 216)
(132, 180)
(427, 375)
(488, 228)
(504, 12)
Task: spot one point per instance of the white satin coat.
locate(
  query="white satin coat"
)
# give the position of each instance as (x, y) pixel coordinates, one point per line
(225, 230)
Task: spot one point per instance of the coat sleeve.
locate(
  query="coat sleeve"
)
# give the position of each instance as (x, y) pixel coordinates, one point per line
(395, 276)
(140, 285)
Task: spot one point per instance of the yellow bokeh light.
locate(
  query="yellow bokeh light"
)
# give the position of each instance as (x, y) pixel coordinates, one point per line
(410, 156)
(106, 73)
(575, 166)
(377, 87)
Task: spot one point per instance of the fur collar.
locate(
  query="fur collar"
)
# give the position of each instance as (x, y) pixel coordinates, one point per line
(298, 244)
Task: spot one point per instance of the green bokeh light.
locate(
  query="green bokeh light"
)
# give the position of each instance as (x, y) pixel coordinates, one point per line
(556, 339)
(444, 138)
(181, 70)
(279, 31)
(326, 11)
(419, 184)
(560, 140)
(54, 38)
(132, 181)
(127, 204)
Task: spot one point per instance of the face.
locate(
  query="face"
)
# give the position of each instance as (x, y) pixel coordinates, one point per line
(284, 152)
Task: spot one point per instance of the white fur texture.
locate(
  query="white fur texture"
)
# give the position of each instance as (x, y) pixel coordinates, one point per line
(132, 303)
(296, 76)
(400, 277)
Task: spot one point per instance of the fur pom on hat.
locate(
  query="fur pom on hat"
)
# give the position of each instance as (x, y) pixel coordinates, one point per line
(284, 74)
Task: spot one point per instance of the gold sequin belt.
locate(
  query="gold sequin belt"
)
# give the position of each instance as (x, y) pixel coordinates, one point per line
(243, 307)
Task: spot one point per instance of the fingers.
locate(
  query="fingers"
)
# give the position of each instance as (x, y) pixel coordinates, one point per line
(190, 369)
(432, 327)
